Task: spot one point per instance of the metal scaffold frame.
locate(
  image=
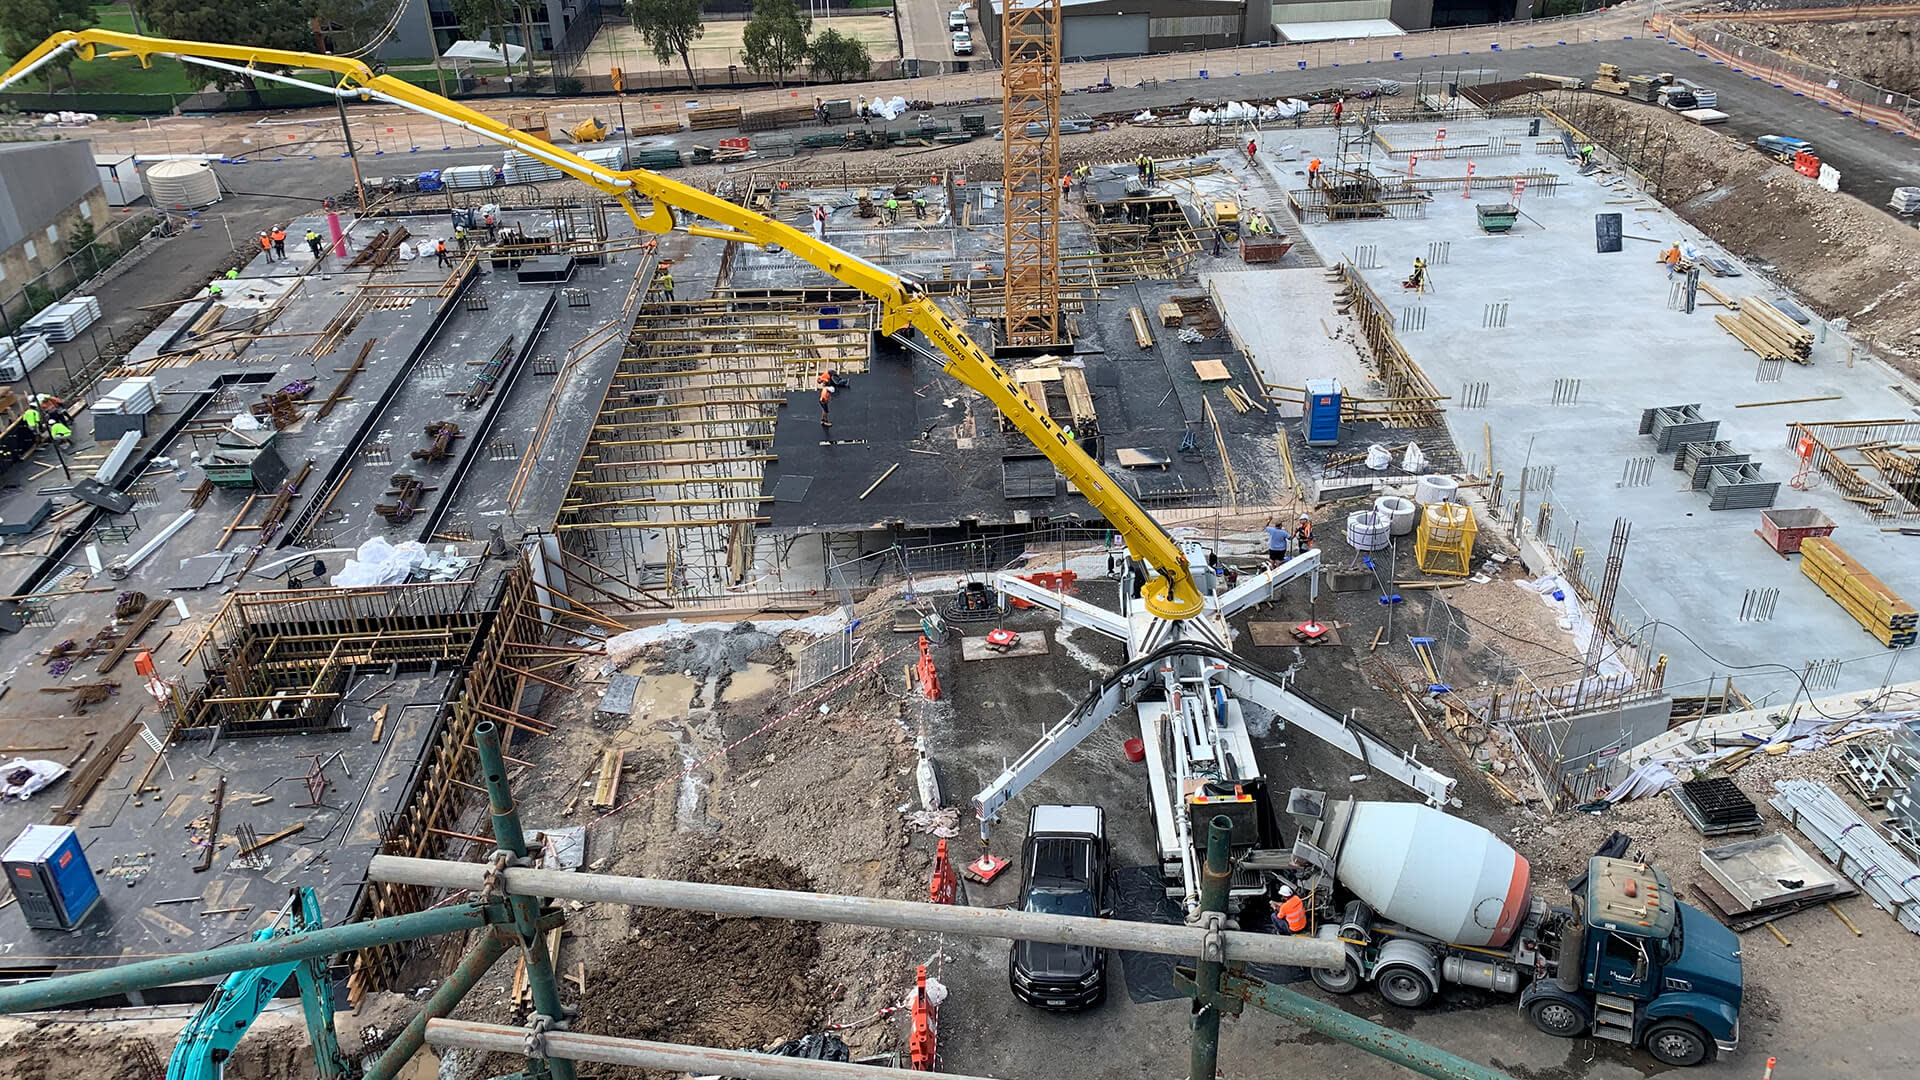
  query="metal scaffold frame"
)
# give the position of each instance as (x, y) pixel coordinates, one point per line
(1030, 145)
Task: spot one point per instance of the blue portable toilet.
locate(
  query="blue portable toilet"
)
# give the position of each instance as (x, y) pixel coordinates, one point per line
(1323, 412)
(50, 877)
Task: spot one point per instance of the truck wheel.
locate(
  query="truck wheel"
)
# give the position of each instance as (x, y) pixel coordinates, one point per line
(1403, 986)
(1557, 1018)
(1680, 1044)
(1344, 981)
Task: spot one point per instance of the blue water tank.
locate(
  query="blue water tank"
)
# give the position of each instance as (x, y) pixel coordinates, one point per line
(1323, 412)
(50, 877)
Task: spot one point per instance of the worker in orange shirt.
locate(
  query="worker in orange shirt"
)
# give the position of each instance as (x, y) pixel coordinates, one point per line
(826, 393)
(266, 246)
(1671, 257)
(279, 236)
(1289, 912)
(1313, 173)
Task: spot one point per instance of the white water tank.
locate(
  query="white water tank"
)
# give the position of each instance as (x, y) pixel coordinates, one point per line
(1436, 489)
(1439, 874)
(1368, 531)
(181, 184)
(1400, 513)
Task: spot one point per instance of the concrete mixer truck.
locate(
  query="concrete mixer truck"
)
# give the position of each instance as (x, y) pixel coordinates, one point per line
(1422, 898)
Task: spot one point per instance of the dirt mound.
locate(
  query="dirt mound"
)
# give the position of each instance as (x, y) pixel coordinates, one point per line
(723, 981)
(1847, 259)
(1881, 51)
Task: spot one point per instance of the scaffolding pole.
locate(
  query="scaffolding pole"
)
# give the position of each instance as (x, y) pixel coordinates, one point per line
(667, 1057)
(862, 911)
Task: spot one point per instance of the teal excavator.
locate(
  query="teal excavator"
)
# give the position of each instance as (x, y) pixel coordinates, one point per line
(209, 1039)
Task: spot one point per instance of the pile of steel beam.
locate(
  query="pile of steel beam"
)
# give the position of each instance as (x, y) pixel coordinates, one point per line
(1739, 486)
(1673, 426)
(1887, 774)
(1854, 846)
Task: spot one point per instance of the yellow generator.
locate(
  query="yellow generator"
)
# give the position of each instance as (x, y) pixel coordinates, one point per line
(1225, 216)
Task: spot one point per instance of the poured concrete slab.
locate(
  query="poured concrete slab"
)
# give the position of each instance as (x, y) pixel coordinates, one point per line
(1597, 329)
(1289, 323)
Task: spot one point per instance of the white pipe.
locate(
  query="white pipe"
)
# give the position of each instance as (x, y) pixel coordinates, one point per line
(864, 911)
(368, 93)
(64, 47)
(153, 545)
(666, 1057)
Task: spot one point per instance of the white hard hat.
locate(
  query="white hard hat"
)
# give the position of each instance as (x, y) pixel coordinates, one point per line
(1286, 890)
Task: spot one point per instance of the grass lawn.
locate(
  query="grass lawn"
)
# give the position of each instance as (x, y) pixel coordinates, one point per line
(125, 76)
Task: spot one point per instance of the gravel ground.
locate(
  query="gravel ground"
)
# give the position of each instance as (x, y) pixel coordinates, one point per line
(1827, 979)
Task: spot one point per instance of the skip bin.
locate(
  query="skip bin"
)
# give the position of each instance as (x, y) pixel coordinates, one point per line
(1784, 529)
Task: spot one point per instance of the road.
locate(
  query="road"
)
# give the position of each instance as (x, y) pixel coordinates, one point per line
(924, 35)
(1872, 160)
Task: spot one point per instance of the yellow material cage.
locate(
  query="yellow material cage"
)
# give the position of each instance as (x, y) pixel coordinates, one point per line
(1443, 544)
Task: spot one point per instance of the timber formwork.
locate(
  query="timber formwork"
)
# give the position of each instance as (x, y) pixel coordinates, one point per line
(666, 496)
(276, 663)
(1411, 399)
(495, 630)
(1871, 463)
(507, 652)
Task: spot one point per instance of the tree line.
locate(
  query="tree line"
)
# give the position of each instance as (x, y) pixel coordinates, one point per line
(341, 27)
(777, 40)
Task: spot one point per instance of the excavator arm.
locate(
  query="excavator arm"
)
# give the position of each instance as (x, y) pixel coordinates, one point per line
(210, 1037)
(904, 307)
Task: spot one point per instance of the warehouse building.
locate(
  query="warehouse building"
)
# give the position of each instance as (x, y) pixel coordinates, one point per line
(1102, 29)
(48, 192)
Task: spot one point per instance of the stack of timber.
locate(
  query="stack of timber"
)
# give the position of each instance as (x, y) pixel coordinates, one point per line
(1771, 335)
(1891, 620)
(775, 118)
(716, 117)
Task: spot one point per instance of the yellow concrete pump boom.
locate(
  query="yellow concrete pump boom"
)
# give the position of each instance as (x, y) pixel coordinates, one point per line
(1173, 595)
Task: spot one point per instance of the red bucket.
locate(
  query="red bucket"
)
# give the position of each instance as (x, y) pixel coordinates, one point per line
(1136, 750)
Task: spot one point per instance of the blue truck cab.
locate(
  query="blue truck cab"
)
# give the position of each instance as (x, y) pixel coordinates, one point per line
(1638, 967)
